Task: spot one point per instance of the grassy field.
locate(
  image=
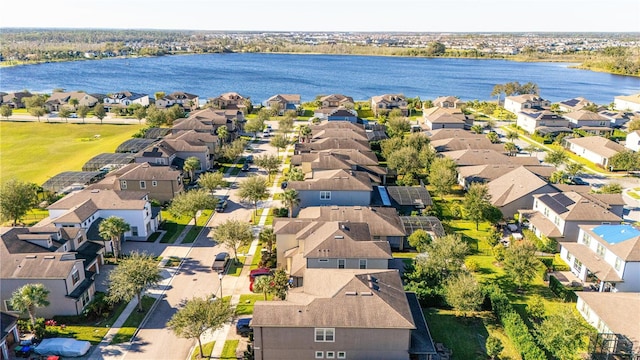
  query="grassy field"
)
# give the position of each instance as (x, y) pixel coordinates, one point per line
(229, 349)
(36, 151)
(245, 304)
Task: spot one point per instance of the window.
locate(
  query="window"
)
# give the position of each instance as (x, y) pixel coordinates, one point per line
(569, 257)
(331, 355)
(586, 239)
(325, 334)
(376, 237)
(577, 265)
(143, 184)
(154, 183)
(363, 264)
(75, 276)
(342, 355)
(123, 184)
(134, 231)
(319, 355)
(341, 263)
(546, 211)
(618, 264)
(556, 220)
(323, 260)
(325, 195)
(601, 250)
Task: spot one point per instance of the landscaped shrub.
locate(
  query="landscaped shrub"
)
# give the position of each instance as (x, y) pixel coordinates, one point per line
(514, 326)
(471, 265)
(561, 291)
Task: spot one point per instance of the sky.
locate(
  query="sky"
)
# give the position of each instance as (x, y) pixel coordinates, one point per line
(330, 15)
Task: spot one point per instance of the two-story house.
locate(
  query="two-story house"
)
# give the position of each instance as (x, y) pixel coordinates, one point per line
(188, 102)
(210, 119)
(606, 255)
(173, 152)
(633, 141)
(559, 215)
(617, 118)
(230, 100)
(627, 102)
(343, 314)
(37, 258)
(589, 121)
(388, 102)
(445, 118)
(8, 333)
(58, 100)
(329, 144)
(336, 101)
(597, 149)
(346, 160)
(525, 103)
(162, 182)
(334, 187)
(530, 121)
(125, 98)
(284, 102)
(447, 102)
(575, 104)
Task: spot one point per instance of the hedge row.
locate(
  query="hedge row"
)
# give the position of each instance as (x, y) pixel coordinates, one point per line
(514, 326)
(561, 291)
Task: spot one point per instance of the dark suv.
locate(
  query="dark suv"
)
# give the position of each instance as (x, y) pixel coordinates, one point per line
(243, 328)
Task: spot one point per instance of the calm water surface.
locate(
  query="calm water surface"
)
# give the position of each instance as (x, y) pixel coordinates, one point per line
(260, 76)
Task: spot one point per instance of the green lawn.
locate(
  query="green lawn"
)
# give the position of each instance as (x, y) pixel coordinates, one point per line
(35, 151)
(80, 328)
(229, 349)
(236, 267)
(207, 349)
(245, 304)
(133, 322)
(173, 227)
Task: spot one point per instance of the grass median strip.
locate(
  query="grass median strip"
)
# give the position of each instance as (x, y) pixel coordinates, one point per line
(133, 322)
(229, 349)
(207, 349)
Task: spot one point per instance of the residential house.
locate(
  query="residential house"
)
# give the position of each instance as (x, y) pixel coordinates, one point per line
(530, 121)
(334, 187)
(36, 258)
(337, 133)
(174, 152)
(125, 98)
(343, 314)
(8, 334)
(472, 157)
(210, 119)
(331, 144)
(314, 244)
(489, 172)
(343, 114)
(406, 199)
(627, 102)
(384, 223)
(575, 104)
(441, 134)
(389, 102)
(285, 102)
(448, 102)
(14, 99)
(589, 122)
(596, 149)
(188, 102)
(341, 125)
(515, 190)
(525, 102)
(230, 100)
(607, 256)
(609, 313)
(633, 141)
(162, 183)
(455, 144)
(58, 100)
(559, 215)
(336, 101)
(348, 160)
(83, 208)
(197, 138)
(617, 118)
(445, 118)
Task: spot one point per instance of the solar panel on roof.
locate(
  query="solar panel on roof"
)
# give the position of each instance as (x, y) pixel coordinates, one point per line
(572, 102)
(555, 205)
(563, 199)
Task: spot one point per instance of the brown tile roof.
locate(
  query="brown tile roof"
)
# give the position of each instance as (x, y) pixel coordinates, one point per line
(455, 144)
(324, 125)
(582, 209)
(440, 134)
(614, 310)
(337, 180)
(344, 239)
(584, 115)
(337, 97)
(333, 144)
(635, 98)
(340, 134)
(598, 145)
(382, 221)
(514, 185)
(483, 157)
(102, 199)
(341, 298)
(144, 171)
(541, 223)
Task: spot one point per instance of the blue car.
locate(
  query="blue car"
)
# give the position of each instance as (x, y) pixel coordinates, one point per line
(243, 328)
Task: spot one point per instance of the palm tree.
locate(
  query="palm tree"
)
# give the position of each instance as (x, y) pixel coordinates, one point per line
(290, 199)
(305, 132)
(511, 135)
(511, 148)
(476, 129)
(191, 165)
(28, 298)
(574, 169)
(493, 137)
(222, 133)
(112, 228)
(74, 103)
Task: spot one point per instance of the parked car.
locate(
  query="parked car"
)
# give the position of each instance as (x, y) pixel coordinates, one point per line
(245, 167)
(220, 262)
(249, 159)
(222, 203)
(579, 181)
(243, 328)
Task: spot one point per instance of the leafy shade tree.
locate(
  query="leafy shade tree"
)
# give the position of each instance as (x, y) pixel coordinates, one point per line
(445, 256)
(254, 125)
(254, 189)
(532, 149)
(16, 199)
(64, 113)
(535, 307)
(279, 142)
(406, 161)
(34, 101)
(494, 346)
(37, 112)
(476, 129)
(493, 236)
(493, 137)
(398, 126)
(212, 180)
(564, 334)
(233, 150)
(189, 203)
(295, 174)
(199, 315)
(626, 160)
(191, 164)
(442, 175)
(612, 188)
(99, 112)
(290, 199)
(6, 111)
(82, 112)
(520, 263)
(156, 117)
(233, 234)
(269, 163)
(498, 90)
(556, 157)
(573, 169)
(112, 228)
(263, 285)
(285, 125)
(264, 114)
(419, 239)
(140, 113)
(132, 277)
(28, 298)
(477, 202)
(634, 124)
(463, 293)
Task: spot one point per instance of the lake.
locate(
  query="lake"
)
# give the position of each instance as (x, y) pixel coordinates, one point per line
(260, 76)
